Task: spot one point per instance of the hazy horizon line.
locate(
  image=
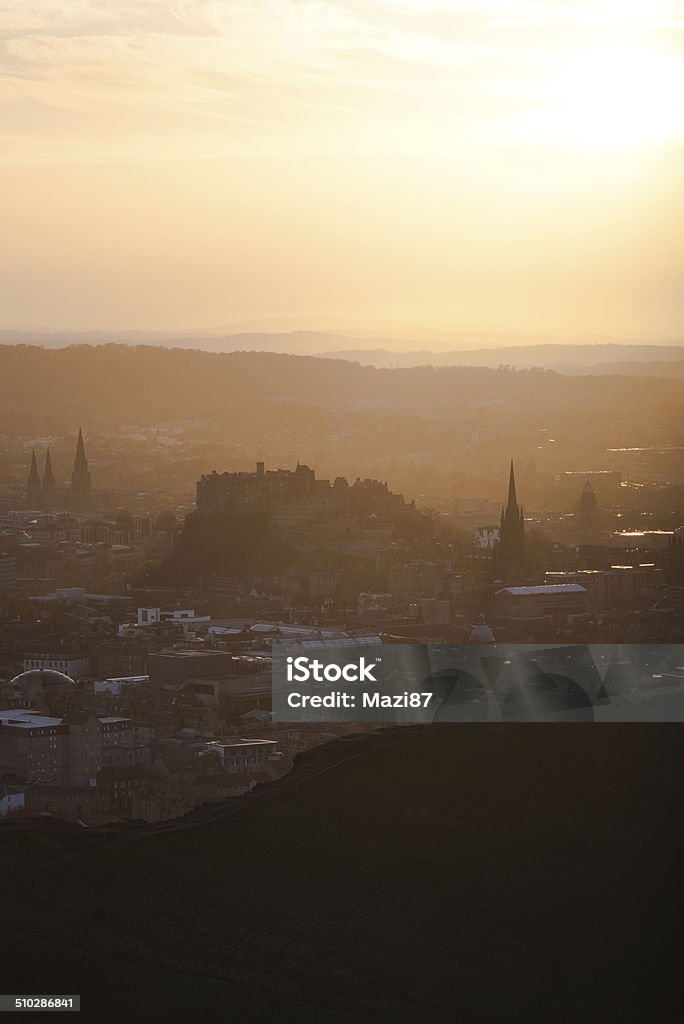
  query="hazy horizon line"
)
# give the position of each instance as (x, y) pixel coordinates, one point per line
(461, 339)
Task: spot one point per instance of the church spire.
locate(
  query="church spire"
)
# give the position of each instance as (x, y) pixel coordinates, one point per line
(80, 461)
(511, 554)
(512, 499)
(48, 475)
(49, 488)
(33, 475)
(80, 478)
(34, 491)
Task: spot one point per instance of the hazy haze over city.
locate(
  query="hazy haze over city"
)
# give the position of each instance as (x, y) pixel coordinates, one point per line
(342, 509)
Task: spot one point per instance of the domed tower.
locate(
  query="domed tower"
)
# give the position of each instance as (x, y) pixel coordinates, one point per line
(588, 501)
(80, 478)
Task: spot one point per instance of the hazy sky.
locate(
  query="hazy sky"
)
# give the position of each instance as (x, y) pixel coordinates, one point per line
(507, 164)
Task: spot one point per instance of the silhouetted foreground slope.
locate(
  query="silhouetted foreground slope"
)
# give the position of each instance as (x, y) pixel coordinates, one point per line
(480, 873)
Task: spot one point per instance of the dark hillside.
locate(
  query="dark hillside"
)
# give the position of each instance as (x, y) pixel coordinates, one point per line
(474, 873)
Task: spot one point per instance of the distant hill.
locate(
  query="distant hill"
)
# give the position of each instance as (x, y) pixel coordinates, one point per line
(645, 360)
(657, 368)
(112, 385)
(385, 352)
(288, 343)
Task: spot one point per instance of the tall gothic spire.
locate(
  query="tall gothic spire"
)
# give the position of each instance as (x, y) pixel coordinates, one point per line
(48, 475)
(33, 475)
(34, 491)
(80, 478)
(49, 488)
(80, 461)
(512, 499)
(512, 537)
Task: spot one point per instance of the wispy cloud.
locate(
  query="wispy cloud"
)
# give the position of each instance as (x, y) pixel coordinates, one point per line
(117, 78)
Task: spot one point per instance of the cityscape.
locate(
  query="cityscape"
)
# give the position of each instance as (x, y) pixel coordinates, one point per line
(342, 510)
(136, 644)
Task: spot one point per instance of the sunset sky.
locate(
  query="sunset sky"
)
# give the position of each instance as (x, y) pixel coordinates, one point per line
(480, 164)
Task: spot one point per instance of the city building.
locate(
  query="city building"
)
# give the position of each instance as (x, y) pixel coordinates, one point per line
(552, 601)
(12, 799)
(33, 747)
(75, 664)
(170, 668)
(185, 619)
(66, 751)
(620, 586)
(238, 754)
(8, 573)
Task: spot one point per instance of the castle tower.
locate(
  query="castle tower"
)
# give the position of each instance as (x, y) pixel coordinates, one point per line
(49, 489)
(512, 543)
(34, 491)
(588, 501)
(80, 478)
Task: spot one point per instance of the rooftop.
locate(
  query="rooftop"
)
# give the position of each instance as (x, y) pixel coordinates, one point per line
(195, 653)
(342, 641)
(553, 588)
(27, 719)
(228, 743)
